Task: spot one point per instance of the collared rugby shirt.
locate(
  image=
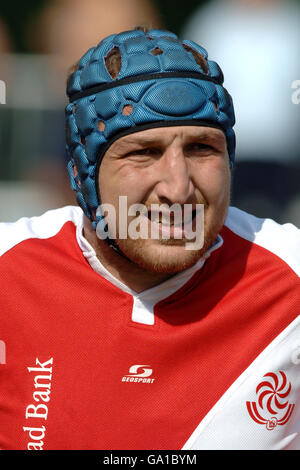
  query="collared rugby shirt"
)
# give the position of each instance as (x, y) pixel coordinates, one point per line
(209, 359)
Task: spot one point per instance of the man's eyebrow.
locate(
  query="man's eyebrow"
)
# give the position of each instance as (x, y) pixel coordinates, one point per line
(208, 135)
(152, 140)
(141, 141)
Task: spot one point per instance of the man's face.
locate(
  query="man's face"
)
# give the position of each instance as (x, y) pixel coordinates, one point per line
(183, 165)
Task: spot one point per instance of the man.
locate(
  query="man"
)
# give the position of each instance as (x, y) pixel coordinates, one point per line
(117, 339)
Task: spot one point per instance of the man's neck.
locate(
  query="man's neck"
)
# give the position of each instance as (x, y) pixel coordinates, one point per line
(129, 273)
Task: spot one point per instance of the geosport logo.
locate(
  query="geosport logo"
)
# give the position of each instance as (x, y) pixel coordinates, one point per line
(139, 373)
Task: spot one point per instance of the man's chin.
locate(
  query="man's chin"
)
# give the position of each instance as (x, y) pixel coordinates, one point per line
(164, 257)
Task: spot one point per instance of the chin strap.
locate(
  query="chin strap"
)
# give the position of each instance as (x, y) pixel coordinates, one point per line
(100, 226)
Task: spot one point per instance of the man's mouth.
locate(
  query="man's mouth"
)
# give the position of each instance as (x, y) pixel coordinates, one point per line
(170, 224)
(171, 218)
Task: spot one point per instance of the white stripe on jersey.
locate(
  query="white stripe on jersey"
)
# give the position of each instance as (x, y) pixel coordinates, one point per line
(44, 226)
(282, 240)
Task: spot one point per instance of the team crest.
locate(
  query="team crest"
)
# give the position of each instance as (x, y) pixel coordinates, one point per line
(272, 407)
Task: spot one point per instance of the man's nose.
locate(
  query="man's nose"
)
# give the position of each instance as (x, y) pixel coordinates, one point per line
(175, 183)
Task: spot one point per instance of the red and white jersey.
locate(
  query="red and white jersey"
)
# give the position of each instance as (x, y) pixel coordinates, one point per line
(209, 359)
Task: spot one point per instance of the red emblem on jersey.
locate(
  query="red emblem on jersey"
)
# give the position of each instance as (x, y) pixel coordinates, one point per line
(271, 394)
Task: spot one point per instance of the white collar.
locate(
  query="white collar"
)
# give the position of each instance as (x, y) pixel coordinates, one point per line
(149, 297)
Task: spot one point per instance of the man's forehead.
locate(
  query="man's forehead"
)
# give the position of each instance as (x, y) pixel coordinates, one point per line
(170, 132)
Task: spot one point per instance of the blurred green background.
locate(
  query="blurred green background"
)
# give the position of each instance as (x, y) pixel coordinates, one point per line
(172, 12)
(256, 42)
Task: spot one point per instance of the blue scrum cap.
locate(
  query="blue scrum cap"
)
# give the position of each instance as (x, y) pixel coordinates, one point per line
(161, 80)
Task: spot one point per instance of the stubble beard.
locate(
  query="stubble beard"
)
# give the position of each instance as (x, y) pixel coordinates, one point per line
(171, 256)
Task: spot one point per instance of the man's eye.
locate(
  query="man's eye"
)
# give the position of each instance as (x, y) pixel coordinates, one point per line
(198, 147)
(147, 152)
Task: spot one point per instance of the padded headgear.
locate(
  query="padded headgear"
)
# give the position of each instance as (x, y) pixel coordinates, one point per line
(165, 86)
